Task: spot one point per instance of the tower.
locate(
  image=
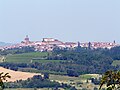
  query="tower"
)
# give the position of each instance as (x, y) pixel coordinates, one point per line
(79, 44)
(114, 42)
(89, 45)
(26, 40)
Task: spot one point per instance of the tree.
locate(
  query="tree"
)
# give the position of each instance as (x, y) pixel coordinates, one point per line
(3, 78)
(111, 79)
(46, 75)
(72, 73)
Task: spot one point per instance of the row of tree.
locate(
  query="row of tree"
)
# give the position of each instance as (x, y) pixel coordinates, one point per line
(37, 82)
(18, 50)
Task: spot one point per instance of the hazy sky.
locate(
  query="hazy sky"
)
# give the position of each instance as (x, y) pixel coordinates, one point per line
(66, 20)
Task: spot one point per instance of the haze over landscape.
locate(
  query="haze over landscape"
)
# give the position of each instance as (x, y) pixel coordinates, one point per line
(66, 20)
(59, 44)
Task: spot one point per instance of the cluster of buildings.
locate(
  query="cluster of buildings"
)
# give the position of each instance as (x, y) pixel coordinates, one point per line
(48, 44)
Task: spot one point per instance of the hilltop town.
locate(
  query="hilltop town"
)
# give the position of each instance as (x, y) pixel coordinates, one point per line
(48, 44)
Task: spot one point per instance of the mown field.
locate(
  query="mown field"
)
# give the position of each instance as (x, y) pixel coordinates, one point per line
(79, 82)
(29, 58)
(68, 78)
(116, 62)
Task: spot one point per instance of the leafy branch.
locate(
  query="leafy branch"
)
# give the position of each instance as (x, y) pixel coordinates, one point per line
(111, 79)
(3, 77)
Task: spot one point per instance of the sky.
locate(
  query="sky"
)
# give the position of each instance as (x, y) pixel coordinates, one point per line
(66, 20)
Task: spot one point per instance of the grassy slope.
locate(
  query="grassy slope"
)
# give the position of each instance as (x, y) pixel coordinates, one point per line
(24, 58)
(27, 57)
(75, 81)
(31, 58)
(116, 62)
(66, 78)
(17, 75)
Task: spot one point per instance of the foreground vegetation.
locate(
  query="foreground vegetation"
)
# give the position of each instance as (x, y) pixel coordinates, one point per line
(3, 77)
(111, 79)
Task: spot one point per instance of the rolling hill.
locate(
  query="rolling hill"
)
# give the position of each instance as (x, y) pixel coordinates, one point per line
(17, 75)
(4, 44)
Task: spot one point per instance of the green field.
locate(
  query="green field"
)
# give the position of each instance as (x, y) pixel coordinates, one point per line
(67, 78)
(24, 58)
(29, 58)
(32, 57)
(78, 82)
(33, 70)
(116, 62)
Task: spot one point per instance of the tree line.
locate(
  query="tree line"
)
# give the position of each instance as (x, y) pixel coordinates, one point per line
(37, 81)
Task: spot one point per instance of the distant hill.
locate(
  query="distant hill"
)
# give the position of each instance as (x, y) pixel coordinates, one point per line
(5, 44)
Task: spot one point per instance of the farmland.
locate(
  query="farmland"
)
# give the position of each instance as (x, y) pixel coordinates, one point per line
(116, 62)
(62, 65)
(17, 75)
(79, 82)
(29, 58)
(24, 58)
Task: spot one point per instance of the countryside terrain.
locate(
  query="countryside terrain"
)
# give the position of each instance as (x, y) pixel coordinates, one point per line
(17, 75)
(36, 57)
(80, 68)
(29, 58)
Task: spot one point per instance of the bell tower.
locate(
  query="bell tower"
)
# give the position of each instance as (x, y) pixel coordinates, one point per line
(27, 40)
